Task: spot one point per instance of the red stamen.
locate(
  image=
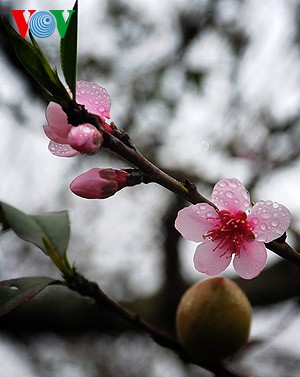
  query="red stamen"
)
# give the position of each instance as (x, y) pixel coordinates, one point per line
(231, 231)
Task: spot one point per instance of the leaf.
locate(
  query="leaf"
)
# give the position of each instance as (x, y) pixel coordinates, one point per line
(50, 232)
(68, 52)
(23, 225)
(15, 292)
(56, 226)
(38, 66)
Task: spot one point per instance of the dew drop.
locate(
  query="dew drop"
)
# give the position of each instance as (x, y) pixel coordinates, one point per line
(274, 223)
(229, 194)
(263, 226)
(265, 215)
(222, 184)
(244, 193)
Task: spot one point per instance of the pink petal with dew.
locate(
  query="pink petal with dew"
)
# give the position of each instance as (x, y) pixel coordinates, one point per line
(231, 194)
(61, 150)
(195, 220)
(209, 261)
(94, 97)
(57, 119)
(269, 219)
(251, 260)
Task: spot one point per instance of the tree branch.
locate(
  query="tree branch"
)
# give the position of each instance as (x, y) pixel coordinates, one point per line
(78, 283)
(120, 143)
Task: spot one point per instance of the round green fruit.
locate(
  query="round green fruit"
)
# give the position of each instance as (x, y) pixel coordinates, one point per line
(213, 320)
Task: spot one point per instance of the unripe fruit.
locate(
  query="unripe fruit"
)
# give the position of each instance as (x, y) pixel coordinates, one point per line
(213, 320)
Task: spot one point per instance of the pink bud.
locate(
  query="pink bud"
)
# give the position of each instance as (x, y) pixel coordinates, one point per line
(99, 183)
(85, 138)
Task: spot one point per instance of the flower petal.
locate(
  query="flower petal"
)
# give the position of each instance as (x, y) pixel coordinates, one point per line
(211, 262)
(61, 150)
(58, 121)
(53, 136)
(231, 194)
(94, 97)
(269, 219)
(195, 220)
(251, 260)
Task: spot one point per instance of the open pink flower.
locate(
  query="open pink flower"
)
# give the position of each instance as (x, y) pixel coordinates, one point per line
(96, 100)
(232, 230)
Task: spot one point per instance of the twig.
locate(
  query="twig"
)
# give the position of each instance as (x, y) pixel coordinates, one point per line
(78, 283)
(185, 189)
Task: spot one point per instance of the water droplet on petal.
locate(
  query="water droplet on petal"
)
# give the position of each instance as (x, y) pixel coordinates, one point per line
(263, 226)
(232, 183)
(274, 223)
(245, 194)
(229, 194)
(265, 215)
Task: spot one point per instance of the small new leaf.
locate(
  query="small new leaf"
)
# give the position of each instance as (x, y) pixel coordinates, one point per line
(50, 232)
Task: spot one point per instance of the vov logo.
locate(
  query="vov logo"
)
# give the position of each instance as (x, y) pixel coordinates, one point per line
(42, 24)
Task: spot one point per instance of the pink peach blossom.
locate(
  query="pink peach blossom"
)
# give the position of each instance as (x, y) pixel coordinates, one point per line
(94, 98)
(99, 183)
(233, 230)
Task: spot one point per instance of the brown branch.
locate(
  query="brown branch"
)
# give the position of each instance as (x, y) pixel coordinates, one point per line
(285, 251)
(120, 143)
(86, 288)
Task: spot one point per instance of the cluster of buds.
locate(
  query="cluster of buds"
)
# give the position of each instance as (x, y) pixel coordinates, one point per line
(99, 183)
(67, 140)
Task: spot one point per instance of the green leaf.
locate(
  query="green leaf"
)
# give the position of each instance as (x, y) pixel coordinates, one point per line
(68, 52)
(56, 226)
(24, 226)
(38, 66)
(50, 232)
(15, 292)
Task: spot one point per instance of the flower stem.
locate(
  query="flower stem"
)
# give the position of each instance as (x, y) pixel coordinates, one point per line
(121, 144)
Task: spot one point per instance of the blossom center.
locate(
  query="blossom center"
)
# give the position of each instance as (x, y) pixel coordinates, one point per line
(231, 231)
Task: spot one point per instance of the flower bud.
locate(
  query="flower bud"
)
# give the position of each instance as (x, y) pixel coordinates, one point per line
(99, 183)
(85, 138)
